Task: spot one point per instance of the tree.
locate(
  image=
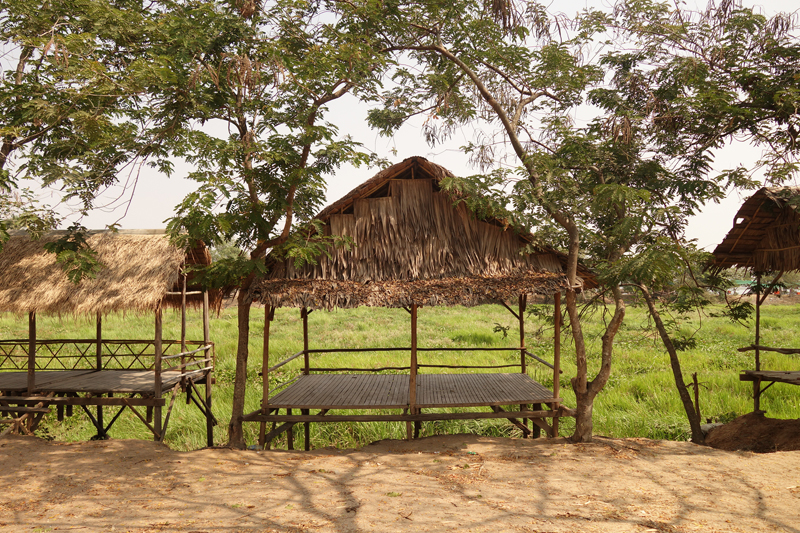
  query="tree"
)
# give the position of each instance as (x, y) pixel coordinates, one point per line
(612, 188)
(241, 93)
(68, 102)
(702, 79)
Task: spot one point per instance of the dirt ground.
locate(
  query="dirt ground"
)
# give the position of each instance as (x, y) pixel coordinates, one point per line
(446, 483)
(754, 432)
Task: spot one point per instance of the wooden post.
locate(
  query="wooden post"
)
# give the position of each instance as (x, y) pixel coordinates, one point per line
(412, 378)
(523, 304)
(31, 352)
(262, 432)
(306, 425)
(556, 356)
(99, 347)
(157, 372)
(183, 323)
(208, 354)
(304, 316)
(289, 433)
(757, 382)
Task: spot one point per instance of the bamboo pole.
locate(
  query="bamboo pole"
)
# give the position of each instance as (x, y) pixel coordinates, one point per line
(556, 356)
(523, 303)
(183, 319)
(304, 316)
(31, 352)
(206, 341)
(157, 371)
(306, 371)
(262, 432)
(99, 348)
(99, 362)
(757, 382)
(412, 378)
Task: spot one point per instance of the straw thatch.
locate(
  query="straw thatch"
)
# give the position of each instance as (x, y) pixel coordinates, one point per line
(413, 245)
(765, 235)
(140, 267)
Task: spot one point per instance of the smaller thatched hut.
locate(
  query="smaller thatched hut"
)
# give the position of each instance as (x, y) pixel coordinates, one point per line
(766, 233)
(142, 271)
(413, 245)
(765, 240)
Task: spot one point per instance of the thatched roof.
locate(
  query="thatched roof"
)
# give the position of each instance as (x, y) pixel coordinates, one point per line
(413, 245)
(140, 267)
(765, 235)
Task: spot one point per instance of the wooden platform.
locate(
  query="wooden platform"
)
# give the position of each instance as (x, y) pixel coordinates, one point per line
(347, 391)
(89, 381)
(778, 376)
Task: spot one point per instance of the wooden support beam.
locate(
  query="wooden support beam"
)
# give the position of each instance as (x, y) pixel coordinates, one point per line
(757, 383)
(209, 380)
(423, 417)
(157, 371)
(31, 352)
(510, 310)
(556, 357)
(523, 304)
(72, 400)
(99, 343)
(175, 390)
(525, 430)
(304, 316)
(412, 381)
(262, 435)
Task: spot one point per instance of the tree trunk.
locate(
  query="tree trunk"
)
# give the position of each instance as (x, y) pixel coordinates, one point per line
(675, 363)
(585, 390)
(235, 432)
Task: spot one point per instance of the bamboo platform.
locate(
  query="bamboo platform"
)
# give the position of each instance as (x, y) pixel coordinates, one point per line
(89, 381)
(380, 391)
(776, 376)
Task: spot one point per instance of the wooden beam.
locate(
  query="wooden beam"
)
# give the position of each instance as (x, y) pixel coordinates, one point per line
(210, 421)
(257, 416)
(265, 375)
(525, 430)
(304, 316)
(183, 314)
(523, 304)
(556, 356)
(412, 381)
(31, 352)
(99, 347)
(157, 372)
(71, 400)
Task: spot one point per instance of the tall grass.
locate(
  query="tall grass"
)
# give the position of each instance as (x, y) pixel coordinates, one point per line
(640, 399)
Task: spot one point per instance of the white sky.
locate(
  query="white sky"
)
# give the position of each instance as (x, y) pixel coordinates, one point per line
(155, 196)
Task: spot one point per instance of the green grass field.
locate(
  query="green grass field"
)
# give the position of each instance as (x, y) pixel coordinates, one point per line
(640, 399)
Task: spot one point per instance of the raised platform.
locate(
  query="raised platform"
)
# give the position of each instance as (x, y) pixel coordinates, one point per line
(89, 381)
(777, 376)
(348, 391)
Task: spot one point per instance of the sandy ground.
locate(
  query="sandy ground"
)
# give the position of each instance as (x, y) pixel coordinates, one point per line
(448, 483)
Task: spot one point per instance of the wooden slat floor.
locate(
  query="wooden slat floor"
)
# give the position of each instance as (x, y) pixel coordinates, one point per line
(102, 382)
(781, 376)
(390, 391)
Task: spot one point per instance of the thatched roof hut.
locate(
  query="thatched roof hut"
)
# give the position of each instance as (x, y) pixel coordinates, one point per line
(139, 268)
(766, 233)
(413, 244)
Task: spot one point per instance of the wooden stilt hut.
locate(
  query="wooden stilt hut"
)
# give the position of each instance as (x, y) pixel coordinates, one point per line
(141, 272)
(414, 247)
(765, 240)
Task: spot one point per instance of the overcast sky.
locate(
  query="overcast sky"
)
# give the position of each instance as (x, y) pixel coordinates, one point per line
(147, 199)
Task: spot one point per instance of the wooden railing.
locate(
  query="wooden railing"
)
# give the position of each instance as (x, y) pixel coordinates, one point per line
(79, 354)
